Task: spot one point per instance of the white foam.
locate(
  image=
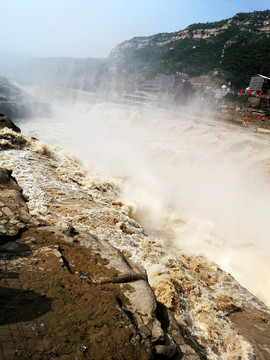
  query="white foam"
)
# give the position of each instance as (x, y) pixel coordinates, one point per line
(202, 185)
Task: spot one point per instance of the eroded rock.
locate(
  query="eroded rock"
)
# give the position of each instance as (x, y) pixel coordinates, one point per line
(200, 296)
(14, 215)
(5, 122)
(77, 284)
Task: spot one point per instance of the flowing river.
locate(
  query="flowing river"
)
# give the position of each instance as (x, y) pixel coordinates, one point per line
(201, 185)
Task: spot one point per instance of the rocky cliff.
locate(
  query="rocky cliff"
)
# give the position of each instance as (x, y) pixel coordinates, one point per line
(257, 22)
(68, 293)
(230, 50)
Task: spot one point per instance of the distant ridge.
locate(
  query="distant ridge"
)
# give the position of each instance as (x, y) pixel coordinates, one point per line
(235, 49)
(230, 50)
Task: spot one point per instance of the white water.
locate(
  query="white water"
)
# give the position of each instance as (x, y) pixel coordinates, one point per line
(202, 185)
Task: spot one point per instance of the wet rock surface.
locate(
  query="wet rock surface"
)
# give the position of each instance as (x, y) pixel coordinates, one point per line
(6, 122)
(71, 296)
(14, 216)
(76, 296)
(51, 308)
(254, 326)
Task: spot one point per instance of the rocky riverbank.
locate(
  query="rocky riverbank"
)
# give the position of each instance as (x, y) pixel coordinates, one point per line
(68, 293)
(255, 114)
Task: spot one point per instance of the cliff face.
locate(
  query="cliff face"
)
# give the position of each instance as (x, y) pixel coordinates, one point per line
(232, 50)
(68, 293)
(253, 23)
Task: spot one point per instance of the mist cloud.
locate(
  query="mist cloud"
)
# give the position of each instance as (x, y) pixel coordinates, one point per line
(201, 185)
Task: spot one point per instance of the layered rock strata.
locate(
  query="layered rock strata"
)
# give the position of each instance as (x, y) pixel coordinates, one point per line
(206, 31)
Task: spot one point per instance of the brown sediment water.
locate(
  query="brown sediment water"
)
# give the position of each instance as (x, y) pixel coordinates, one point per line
(177, 194)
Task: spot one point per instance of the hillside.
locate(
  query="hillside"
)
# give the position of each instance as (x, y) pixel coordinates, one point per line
(17, 104)
(236, 48)
(230, 50)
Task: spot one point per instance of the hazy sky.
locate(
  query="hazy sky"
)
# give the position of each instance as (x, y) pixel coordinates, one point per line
(91, 28)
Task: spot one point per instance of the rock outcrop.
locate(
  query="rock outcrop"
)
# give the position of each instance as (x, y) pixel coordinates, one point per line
(5, 122)
(198, 31)
(13, 210)
(68, 293)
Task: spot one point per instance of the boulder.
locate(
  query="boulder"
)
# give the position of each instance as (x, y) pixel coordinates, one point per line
(5, 122)
(14, 215)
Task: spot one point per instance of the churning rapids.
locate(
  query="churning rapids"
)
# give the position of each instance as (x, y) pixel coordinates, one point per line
(200, 185)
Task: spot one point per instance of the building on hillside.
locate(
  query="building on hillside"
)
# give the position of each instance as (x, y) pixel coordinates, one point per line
(171, 89)
(202, 82)
(206, 87)
(184, 76)
(260, 83)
